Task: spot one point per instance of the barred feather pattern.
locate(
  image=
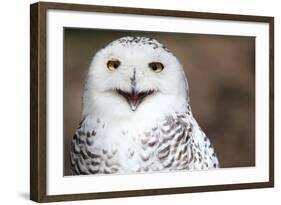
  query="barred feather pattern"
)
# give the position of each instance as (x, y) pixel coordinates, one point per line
(176, 143)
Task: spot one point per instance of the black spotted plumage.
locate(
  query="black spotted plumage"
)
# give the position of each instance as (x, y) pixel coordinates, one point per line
(171, 145)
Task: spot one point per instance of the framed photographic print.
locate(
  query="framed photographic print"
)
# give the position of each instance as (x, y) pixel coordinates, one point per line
(133, 102)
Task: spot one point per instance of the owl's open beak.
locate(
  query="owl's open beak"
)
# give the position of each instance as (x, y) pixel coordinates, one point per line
(134, 98)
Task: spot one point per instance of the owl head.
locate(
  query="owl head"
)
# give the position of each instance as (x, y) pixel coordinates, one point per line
(134, 76)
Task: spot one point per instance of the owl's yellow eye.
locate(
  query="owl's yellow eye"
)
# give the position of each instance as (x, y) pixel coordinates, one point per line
(113, 64)
(157, 67)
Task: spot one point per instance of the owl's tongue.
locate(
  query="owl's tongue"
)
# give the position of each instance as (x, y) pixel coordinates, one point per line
(134, 101)
(134, 98)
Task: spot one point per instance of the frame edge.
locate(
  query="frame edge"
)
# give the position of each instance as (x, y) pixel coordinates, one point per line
(37, 102)
(34, 186)
(271, 102)
(156, 12)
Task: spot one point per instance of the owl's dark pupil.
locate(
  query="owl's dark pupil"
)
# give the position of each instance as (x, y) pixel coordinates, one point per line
(115, 65)
(154, 66)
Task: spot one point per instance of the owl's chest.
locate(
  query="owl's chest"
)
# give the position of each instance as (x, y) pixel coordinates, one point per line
(135, 150)
(173, 144)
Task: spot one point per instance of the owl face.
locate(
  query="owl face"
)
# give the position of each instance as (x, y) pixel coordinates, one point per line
(134, 72)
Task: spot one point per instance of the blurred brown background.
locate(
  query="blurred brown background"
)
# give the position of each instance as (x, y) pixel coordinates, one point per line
(221, 74)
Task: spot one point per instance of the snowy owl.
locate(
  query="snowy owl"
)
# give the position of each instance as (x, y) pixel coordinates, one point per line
(136, 114)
